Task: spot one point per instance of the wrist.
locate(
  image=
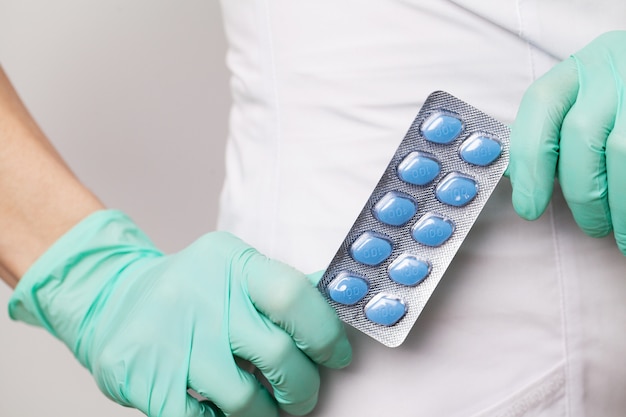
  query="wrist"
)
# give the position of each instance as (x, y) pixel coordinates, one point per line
(40, 198)
(63, 288)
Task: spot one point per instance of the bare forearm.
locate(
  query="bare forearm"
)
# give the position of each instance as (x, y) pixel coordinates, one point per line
(40, 198)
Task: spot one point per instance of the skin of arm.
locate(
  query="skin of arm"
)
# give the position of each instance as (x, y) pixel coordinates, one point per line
(40, 197)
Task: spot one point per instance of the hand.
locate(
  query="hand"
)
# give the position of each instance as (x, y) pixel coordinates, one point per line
(572, 123)
(150, 326)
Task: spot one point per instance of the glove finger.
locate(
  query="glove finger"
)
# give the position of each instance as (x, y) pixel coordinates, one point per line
(288, 299)
(535, 138)
(582, 162)
(210, 410)
(616, 169)
(195, 408)
(159, 397)
(169, 405)
(214, 375)
(293, 376)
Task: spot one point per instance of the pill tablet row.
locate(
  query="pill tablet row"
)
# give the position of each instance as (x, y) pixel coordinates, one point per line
(416, 218)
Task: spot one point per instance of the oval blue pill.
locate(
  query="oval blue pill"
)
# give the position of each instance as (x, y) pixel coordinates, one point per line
(418, 168)
(442, 128)
(408, 269)
(385, 309)
(456, 189)
(371, 248)
(395, 208)
(432, 230)
(480, 149)
(347, 288)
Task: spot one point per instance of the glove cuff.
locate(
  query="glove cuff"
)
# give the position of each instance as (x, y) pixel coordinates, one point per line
(61, 289)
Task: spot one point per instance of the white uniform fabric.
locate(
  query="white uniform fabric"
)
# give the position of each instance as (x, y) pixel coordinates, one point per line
(529, 319)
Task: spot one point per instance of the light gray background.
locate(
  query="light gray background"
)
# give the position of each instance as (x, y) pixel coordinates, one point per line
(134, 94)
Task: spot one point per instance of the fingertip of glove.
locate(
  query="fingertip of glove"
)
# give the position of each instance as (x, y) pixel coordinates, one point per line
(527, 205)
(342, 354)
(593, 216)
(202, 408)
(315, 277)
(506, 172)
(301, 408)
(525, 211)
(598, 230)
(208, 410)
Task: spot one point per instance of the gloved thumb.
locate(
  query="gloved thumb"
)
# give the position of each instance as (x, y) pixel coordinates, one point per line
(315, 277)
(535, 138)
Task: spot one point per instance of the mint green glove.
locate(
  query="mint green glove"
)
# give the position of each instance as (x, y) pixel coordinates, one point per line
(149, 326)
(572, 123)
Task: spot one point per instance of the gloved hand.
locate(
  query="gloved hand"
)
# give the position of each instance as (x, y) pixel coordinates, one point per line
(572, 123)
(150, 326)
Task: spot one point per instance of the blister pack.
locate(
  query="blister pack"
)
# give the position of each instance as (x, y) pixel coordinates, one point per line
(417, 217)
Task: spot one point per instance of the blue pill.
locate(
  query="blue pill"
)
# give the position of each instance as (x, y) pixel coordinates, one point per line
(408, 270)
(385, 309)
(456, 189)
(347, 289)
(432, 230)
(395, 208)
(480, 150)
(442, 128)
(418, 168)
(371, 248)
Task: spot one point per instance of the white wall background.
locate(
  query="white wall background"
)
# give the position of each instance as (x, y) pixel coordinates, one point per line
(134, 94)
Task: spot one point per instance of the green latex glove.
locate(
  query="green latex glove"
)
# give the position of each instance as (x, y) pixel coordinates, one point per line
(150, 326)
(572, 123)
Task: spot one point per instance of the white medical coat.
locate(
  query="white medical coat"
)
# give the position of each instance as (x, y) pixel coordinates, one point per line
(529, 319)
